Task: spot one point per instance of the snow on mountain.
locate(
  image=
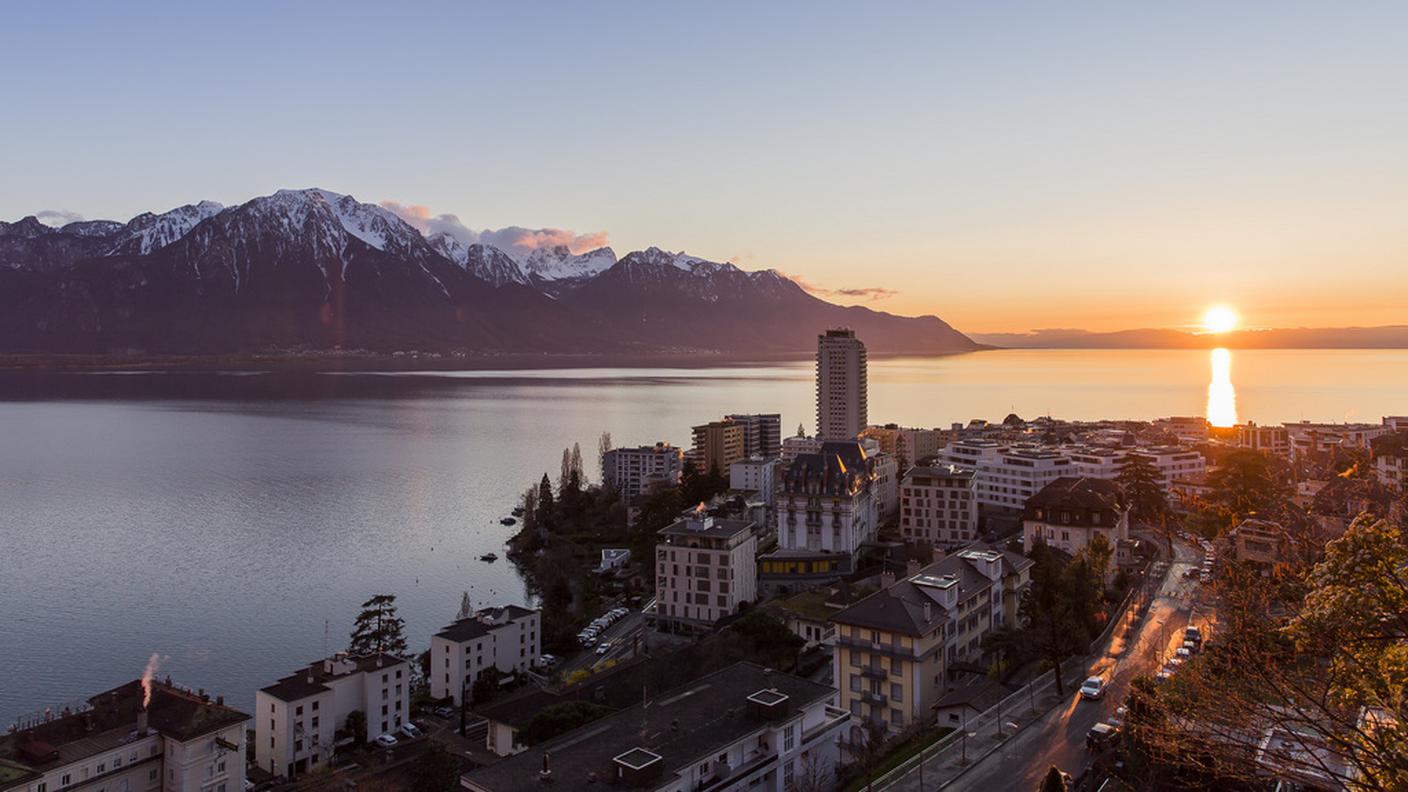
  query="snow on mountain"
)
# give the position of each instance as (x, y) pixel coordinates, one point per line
(147, 232)
(560, 263)
(484, 261)
(92, 228)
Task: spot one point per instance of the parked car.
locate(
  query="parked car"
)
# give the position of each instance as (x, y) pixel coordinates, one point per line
(547, 661)
(445, 712)
(1101, 736)
(604, 648)
(409, 730)
(1191, 646)
(1182, 653)
(1093, 688)
(387, 740)
(1193, 634)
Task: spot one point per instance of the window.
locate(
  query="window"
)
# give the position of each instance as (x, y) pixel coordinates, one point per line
(315, 706)
(897, 692)
(298, 711)
(789, 737)
(383, 709)
(855, 683)
(788, 779)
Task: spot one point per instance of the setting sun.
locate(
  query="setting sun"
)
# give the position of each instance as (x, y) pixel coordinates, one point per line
(1219, 319)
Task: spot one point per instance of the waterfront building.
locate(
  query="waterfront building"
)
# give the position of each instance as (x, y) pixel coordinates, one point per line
(1190, 429)
(840, 385)
(633, 471)
(301, 718)
(507, 638)
(744, 727)
(762, 433)
(717, 445)
(704, 569)
(1270, 439)
(128, 738)
(898, 649)
(1313, 439)
(1072, 510)
(939, 505)
(825, 511)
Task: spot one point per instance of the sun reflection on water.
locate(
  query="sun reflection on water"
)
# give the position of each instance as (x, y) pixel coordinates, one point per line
(1222, 396)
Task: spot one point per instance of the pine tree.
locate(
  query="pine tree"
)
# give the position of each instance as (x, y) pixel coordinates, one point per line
(545, 505)
(577, 469)
(378, 628)
(1142, 487)
(566, 472)
(1053, 781)
(466, 608)
(603, 444)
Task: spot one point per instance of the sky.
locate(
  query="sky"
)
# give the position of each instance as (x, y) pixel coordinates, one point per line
(1005, 166)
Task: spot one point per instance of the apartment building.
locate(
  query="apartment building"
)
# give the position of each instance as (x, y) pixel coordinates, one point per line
(908, 444)
(717, 445)
(841, 386)
(792, 447)
(898, 649)
(171, 739)
(1308, 438)
(1190, 429)
(704, 568)
(939, 505)
(756, 474)
(744, 727)
(887, 486)
(1172, 462)
(1071, 511)
(1270, 439)
(825, 511)
(1391, 470)
(508, 639)
(762, 433)
(633, 471)
(1261, 544)
(1007, 475)
(301, 718)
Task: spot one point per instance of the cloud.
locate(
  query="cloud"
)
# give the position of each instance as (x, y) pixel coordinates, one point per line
(514, 240)
(57, 217)
(867, 294)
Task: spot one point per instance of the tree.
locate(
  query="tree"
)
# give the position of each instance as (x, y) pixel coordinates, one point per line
(1098, 553)
(378, 628)
(486, 686)
(577, 469)
(436, 769)
(466, 608)
(546, 516)
(603, 445)
(566, 471)
(1053, 781)
(357, 725)
(560, 718)
(1048, 609)
(1142, 487)
(1245, 483)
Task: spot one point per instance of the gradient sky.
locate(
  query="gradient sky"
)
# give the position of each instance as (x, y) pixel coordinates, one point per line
(1007, 167)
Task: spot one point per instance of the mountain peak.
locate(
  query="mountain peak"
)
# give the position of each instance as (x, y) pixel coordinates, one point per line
(558, 262)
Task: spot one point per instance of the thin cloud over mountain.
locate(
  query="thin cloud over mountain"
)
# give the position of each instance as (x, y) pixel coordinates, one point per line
(515, 240)
(866, 293)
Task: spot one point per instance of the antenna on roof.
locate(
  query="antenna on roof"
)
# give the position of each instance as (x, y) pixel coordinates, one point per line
(325, 638)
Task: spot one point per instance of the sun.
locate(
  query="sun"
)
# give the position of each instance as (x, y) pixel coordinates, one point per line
(1219, 319)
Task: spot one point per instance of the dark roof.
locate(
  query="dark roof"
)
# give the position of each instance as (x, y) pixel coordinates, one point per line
(464, 630)
(313, 678)
(683, 726)
(837, 468)
(940, 470)
(710, 527)
(1078, 492)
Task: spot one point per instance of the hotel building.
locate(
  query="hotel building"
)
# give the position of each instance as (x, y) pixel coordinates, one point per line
(840, 385)
(825, 511)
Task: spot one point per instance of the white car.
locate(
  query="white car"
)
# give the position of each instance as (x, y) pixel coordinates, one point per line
(1093, 688)
(1183, 653)
(547, 661)
(386, 740)
(604, 648)
(410, 730)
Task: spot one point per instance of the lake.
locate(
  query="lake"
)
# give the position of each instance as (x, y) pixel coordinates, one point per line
(234, 522)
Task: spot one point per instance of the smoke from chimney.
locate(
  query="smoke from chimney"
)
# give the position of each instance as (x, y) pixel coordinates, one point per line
(147, 674)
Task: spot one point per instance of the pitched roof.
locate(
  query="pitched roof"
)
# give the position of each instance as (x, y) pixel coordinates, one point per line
(837, 468)
(1078, 492)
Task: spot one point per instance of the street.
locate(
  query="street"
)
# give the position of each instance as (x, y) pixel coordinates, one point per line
(621, 635)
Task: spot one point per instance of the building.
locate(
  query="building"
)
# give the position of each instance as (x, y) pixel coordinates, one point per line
(908, 444)
(840, 385)
(825, 512)
(1007, 475)
(1391, 470)
(744, 727)
(128, 739)
(887, 486)
(633, 471)
(1261, 544)
(755, 474)
(704, 569)
(939, 505)
(717, 445)
(1172, 462)
(1315, 439)
(508, 639)
(798, 444)
(1190, 429)
(613, 559)
(762, 434)
(898, 649)
(1270, 439)
(1071, 511)
(302, 717)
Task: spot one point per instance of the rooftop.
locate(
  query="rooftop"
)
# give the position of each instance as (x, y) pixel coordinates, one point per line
(314, 677)
(1078, 492)
(706, 526)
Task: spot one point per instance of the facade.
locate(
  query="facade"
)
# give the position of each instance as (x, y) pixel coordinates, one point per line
(898, 649)
(1391, 470)
(1007, 475)
(1270, 439)
(507, 638)
(744, 727)
(1071, 511)
(1191, 429)
(887, 486)
(717, 445)
(180, 741)
(762, 434)
(908, 444)
(799, 444)
(297, 720)
(704, 569)
(939, 506)
(633, 471)
(1313, 439)
(1260, 544)
(825, 511)
(1172, 462)
(755, 474)
(841, 408)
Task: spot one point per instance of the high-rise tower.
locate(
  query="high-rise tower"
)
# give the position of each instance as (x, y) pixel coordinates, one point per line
(840, 385)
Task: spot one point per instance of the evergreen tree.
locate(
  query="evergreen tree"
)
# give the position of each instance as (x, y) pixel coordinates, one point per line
(378, 628)
(466, 608)
(1053, 781)
(546, 515)
(1142, 487)
(566, 472)
(1245, 483)
(1046, 609)
(436, 770)
(577, 469)
(603, 444)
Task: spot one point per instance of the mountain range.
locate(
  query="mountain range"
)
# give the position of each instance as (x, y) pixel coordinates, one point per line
(1384, 337)
(314, 269)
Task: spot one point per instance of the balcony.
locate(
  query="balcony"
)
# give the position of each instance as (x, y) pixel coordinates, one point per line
(874, 672)
(881, 648)
(874, 698)
(835, 717)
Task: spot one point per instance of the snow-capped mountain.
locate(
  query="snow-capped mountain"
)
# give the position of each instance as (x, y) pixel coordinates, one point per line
(315, 268)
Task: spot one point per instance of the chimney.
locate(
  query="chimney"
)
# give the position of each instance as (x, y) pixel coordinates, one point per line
(545, 775)
(141, 723)
(928, 612)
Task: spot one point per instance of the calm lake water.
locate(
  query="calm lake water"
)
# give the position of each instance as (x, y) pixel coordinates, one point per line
(231, 522)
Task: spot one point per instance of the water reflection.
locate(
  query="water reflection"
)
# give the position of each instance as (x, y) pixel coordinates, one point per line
(1222, 396)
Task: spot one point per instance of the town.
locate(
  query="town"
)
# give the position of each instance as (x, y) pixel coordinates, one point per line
(1027, 603)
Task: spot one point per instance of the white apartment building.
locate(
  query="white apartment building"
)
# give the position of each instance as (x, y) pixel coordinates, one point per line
(887, 485)
(825, 511)
(1309, 438)
(762, 433)
(744, 728)
(633, 471)
(507, 638)
(794, 446)
(297, 720)
(1071, 511)
(939, 505)
(704, 569)
(1172, 462)
(840, 385)
(1007, 475)
(181, 741)
(1189, 429)
(911, 445)
(757, 474)
(1270, 439)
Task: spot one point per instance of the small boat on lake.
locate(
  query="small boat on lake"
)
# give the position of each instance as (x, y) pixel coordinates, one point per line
(508, 521)
(490, 557)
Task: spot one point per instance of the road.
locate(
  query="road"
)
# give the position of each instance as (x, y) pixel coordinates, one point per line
(1058, 738)
(620, 634)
